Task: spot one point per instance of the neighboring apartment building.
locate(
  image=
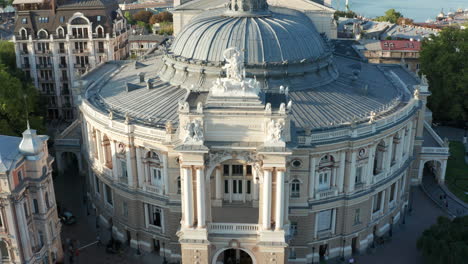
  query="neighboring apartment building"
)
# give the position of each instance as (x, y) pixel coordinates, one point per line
(404, 52)
(141, 44)
(29, 225)
(58, 40)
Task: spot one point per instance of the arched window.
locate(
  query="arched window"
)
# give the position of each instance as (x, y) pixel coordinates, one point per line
(47, 200)
(42, 34)
(20, 176)
(36, 206)
(24, 33)
(4, 250)
(44, 171)
(378, 159)
(107, 152)
(295, 188)
(100, 32)
(155, 170)
(326, 168)
(60, 32)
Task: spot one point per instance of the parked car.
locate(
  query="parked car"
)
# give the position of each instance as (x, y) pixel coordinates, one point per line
(68, 218)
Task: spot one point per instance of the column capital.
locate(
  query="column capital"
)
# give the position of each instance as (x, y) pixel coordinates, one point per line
(186, 166)
(281, 169)
(270, 169)
(199, 167)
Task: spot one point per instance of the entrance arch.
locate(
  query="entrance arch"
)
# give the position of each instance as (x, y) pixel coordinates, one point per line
(68, 159)
(434, 168)
(238, 255)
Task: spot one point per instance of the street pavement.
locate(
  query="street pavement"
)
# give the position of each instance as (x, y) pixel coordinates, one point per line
(69, 189)
(401, 249)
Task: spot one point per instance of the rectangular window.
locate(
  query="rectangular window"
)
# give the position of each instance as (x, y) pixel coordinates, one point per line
(293, 228)
(109, 198)
(24, 21)
(123, 172)
(226, 186)
(240, 186)
(237, 169)
(125, 209)
(154, 214)
(234, 186)
(358, 178)
(249, 170)
(392, 192)
(226, 169)
(376, 202)
(52, 231)
(357, 216)
(249, 187)
(324, 220)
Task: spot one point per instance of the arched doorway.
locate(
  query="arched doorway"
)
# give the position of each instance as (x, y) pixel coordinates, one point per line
(432, 171)
(234, 256)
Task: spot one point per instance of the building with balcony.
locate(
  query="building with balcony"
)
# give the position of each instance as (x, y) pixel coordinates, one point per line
(405, 52)
(29, 225)
(56, 41)
(249, 140)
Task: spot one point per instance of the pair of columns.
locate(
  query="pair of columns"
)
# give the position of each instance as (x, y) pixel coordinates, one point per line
(267, 199)
(187, 195)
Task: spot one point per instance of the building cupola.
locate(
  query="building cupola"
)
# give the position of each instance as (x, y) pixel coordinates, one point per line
(236, 7)
(31, 144)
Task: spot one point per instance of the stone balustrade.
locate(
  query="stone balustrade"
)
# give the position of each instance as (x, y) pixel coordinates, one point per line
(235, 229)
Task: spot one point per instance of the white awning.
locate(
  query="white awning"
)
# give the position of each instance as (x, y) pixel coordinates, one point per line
(19, 2)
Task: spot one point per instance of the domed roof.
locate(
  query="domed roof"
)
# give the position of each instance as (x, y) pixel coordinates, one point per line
(283, 35)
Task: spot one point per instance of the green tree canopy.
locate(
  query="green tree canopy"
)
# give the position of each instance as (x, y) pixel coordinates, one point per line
(446, 242)
(161, 17)
(143, 16)
(129, 17)
(444, 60)
(18, 97)
(391, 15)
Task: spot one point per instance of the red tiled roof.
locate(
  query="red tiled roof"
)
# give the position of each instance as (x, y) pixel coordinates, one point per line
(406, 45)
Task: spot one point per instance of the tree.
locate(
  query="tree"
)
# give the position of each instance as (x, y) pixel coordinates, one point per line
(446, 242)
(161, 17)
(19, 99)
(143, 16)
(444, 60)
(347, 14)
(404, 21)
(129, 18)
(391, 16)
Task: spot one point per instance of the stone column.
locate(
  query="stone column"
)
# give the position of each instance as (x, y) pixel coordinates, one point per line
(370, 165)
(266, 199)
(99, 146)
(219, 184)
(421, 170)
(140, 168)
(341, 172)
(115, 170)
(399, 152)
(441, 178)
(200, 197)
(350, 180)
(313, 164)
(130, 165)
(187, 196)
(388, 160)
(255, 184)
(22, 225)
(279, 214)
(166, 174)
(333, 223)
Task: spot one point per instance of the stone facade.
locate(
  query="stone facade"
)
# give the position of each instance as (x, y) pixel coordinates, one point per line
(29, 225)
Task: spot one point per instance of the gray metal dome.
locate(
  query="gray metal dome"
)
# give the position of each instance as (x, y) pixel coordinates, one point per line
(279, 36)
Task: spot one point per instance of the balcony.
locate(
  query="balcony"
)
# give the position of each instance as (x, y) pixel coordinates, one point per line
(153, 189)
(379, 177)
(242, 213)
(44, 52)
(234, 229)
(61, 50)
(44, 66)
(25, 66)
(63, 66)
(324, 234)
(325, 194)
(101, 51)
(24, 52)
(80, 51)
(79, 65)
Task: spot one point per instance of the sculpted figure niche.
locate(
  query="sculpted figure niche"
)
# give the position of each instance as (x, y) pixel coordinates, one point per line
(275, 132)
(194, 133)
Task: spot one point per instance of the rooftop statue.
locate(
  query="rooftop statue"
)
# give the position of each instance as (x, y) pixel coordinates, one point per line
(235, 84)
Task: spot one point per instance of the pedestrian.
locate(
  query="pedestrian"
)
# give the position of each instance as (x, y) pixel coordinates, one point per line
(351, 260)
(446, 203)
